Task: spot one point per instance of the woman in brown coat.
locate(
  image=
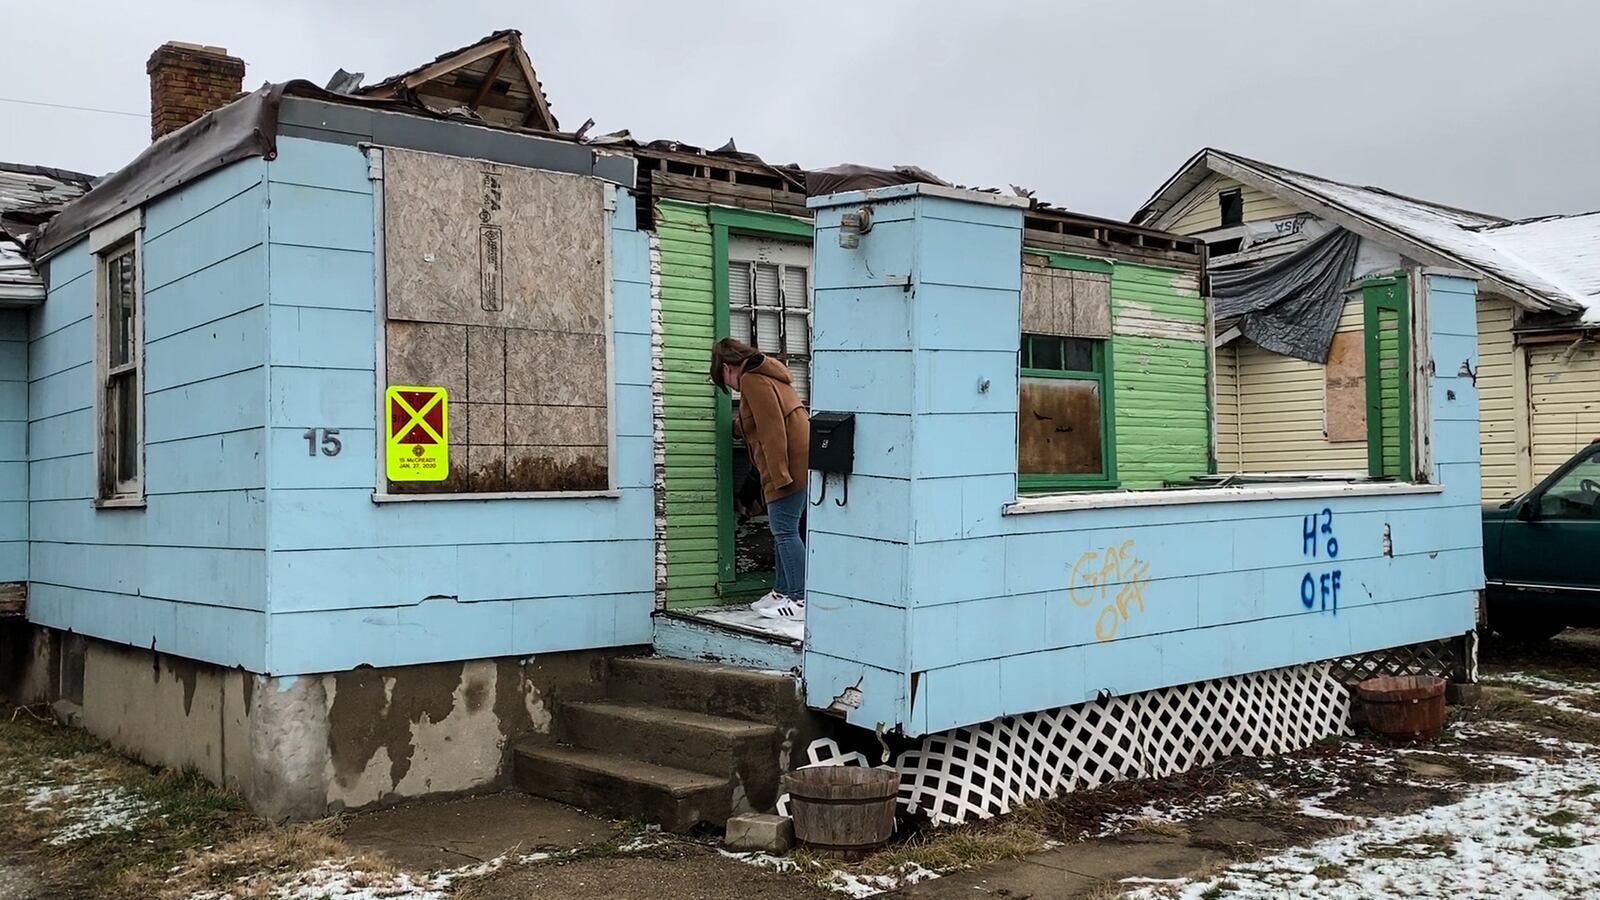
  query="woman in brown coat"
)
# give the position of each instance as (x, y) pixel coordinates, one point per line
(777, 431)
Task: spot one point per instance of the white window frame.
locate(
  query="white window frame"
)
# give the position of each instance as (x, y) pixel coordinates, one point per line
(781, 252)
(107, 242)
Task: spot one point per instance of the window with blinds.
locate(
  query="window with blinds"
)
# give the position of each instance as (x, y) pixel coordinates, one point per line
(769, 302)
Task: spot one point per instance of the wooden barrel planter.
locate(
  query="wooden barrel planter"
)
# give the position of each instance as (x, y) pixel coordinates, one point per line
(1403, 707)
(845, 810)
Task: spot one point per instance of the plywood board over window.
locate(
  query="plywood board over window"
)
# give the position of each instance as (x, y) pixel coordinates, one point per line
(1346, 387)
(1064, 302)
(497, 290)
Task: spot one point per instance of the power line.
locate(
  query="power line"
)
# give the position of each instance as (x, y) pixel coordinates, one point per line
(109, 112)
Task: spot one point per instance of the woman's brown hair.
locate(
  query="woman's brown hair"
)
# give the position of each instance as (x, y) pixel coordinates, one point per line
(731, 353)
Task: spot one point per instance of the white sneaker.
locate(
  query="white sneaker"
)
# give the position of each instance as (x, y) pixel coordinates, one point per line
(768, 601)
(788, 609)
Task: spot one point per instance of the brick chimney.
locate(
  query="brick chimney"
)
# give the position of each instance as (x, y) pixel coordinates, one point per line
(189, 80)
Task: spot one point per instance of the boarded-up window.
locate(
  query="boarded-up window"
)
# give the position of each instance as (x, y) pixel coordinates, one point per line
(1346, 388)
(1064, 302)
(497, 291)
(1062, 435)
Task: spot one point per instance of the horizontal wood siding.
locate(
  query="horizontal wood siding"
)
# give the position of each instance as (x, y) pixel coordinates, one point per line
(1497, 398)
(1281, 402)
(186, 574)
(1199, 210)
(13, 445)
(945, 611)
(1564, 398)
(688, 402)
(356, 582)
(1159, 376)
(1228, 408)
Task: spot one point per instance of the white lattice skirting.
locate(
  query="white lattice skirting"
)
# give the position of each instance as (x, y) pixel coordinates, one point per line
(987, 770)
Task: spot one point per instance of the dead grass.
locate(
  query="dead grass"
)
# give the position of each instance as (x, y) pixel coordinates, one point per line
(1514, 704)
(181, 809)
(942, 850)
(245, 866)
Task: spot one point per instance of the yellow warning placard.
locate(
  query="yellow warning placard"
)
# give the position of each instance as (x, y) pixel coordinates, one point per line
(418, 448)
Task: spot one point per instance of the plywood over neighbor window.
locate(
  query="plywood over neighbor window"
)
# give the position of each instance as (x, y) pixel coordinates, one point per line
(1345, 387)
(496, 291)
(1064, 302)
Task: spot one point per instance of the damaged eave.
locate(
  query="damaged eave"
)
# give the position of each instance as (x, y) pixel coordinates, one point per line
(1374, 230)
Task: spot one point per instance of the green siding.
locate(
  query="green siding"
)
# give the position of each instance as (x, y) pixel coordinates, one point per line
(689, 402)
(1163, 416)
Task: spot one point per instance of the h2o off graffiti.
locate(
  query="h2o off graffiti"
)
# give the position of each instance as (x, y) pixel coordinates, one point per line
(1317, 540)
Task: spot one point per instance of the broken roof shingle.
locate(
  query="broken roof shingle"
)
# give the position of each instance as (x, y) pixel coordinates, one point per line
(507, 40)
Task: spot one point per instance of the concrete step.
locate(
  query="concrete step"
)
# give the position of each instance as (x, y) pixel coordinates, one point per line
(671, 737)
(675, 799)
(728, 691)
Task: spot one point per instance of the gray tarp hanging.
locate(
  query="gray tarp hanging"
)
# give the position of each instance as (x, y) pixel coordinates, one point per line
(1292, 304)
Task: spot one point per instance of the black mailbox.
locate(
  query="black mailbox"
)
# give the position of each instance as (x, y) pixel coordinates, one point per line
(833, 442)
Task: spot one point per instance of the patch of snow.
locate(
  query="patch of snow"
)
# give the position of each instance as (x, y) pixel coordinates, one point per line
(840, 881)
(643, 841)
(871, 885)
(86, 809)
(336, 880)
(763, 860)
(1494, 842)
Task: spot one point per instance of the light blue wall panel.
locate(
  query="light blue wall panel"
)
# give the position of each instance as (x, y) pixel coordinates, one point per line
(13, 444)
(187, 572)
(442, 630)
(218, 634)
(354, 581)
(1000, 614)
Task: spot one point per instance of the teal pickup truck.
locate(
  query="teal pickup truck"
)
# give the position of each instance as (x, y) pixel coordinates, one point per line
(1541, 553)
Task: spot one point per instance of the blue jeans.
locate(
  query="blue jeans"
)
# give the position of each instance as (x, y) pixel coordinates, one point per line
(789, 548)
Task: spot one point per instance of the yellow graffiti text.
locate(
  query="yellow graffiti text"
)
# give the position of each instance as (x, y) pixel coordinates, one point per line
(1096, 574)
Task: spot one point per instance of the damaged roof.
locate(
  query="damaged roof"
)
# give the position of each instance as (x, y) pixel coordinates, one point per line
(1549, 264)
(491, 77)
(29, 196)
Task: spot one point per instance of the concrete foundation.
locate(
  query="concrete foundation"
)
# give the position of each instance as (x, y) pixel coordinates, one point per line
(308, 746)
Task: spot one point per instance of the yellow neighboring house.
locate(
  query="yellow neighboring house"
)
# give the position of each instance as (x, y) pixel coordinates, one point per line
(1538, 317)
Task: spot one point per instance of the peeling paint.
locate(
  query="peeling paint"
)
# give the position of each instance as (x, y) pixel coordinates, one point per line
(538, 713)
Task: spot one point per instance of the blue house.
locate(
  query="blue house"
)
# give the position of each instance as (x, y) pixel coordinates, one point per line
(231, 564)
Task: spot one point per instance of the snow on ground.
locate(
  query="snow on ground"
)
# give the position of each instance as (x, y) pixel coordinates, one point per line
(1537, 835)
(83, 802)
(843, 882)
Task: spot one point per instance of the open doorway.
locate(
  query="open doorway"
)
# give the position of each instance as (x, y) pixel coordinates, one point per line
(767, 304)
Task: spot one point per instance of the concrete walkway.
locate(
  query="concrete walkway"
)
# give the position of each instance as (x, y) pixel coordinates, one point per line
(1076, 870)
(427, 837)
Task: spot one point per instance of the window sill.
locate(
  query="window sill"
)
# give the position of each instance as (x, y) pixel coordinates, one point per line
(1064, 487)
(1125, 499)
(502, 495)
(120, 503)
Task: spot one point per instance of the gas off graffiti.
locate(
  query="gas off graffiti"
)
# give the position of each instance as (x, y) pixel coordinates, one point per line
(1093, 577)
(1316, 539)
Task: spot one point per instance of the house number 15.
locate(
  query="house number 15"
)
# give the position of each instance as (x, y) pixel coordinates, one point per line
(331, 445)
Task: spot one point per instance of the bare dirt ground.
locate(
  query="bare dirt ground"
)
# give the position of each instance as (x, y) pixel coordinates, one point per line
(1506, 804)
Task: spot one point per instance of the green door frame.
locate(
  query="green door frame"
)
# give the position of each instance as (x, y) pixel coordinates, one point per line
(726, 222)
(1391, 295)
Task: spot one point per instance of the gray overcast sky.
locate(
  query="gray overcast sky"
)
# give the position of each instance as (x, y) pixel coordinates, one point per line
(1488, 104)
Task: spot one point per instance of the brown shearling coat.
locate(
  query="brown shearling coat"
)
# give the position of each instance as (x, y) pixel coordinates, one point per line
(775, 426)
